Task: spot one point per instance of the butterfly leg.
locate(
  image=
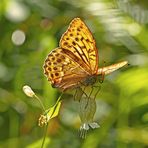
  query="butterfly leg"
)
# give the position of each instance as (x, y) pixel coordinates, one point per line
(79, 93)
(74, 96)
(89, 97)
(98, 89)
(84, 89)
(102, 77)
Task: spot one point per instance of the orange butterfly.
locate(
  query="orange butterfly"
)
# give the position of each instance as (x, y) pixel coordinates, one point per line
(75, 61)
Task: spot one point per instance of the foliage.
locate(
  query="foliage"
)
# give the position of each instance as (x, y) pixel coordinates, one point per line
(30, 30)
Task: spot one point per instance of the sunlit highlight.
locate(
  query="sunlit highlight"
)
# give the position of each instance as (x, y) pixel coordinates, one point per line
(18, 37)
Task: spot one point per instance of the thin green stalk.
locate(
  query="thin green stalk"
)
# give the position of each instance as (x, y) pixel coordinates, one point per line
(43, 108)
(45, 133)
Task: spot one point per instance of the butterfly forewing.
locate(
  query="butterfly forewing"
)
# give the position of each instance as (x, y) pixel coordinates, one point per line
(80, 42)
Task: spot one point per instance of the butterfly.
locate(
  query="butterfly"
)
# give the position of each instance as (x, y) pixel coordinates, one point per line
(75, 61)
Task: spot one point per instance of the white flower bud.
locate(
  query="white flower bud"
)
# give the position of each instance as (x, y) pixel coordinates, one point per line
(28, 91)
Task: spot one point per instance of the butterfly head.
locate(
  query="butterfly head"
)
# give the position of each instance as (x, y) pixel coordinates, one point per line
(90, 80)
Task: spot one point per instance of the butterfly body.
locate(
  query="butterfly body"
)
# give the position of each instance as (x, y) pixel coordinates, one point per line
(90, 80)
(75, 61)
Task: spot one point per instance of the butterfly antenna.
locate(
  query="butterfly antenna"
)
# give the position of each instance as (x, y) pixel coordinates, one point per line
(99, 88)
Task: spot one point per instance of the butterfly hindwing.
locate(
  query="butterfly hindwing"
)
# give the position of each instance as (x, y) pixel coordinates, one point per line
(62, 71)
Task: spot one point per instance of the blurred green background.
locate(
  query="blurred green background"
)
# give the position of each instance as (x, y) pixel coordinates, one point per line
(30, 29)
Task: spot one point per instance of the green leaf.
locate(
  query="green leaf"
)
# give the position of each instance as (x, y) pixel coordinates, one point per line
(54, 111)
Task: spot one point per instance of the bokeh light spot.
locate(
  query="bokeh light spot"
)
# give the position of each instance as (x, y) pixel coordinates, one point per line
(134, 29)
(18, 37)
(16, 11)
